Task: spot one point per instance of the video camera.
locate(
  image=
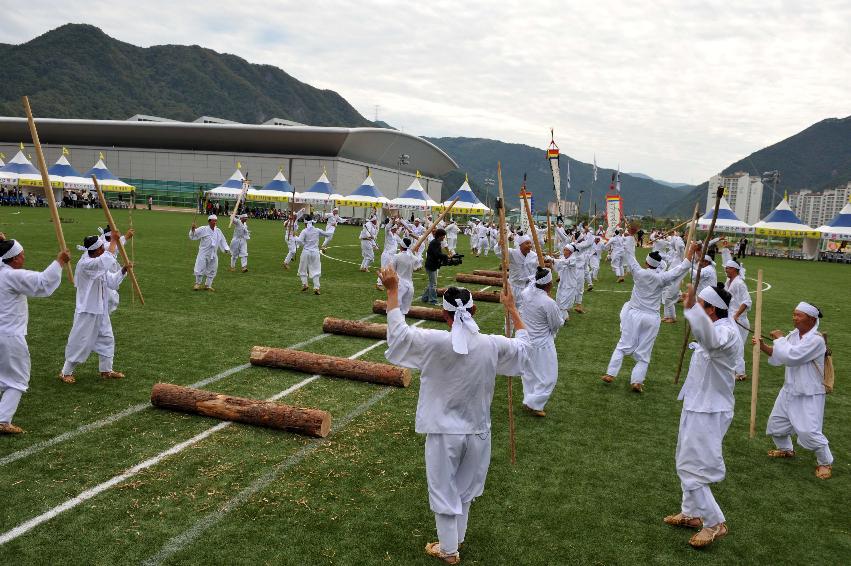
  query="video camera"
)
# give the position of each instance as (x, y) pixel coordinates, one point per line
(454, 260)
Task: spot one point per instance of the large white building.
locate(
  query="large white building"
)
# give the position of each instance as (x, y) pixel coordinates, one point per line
(817, 209)
(743, 192)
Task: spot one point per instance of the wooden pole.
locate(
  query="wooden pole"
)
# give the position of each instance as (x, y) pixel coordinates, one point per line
(245, 185)
(132, 240)
(478, 279)
(718, 194)
(117, 235)
(308, 362)
(421, 313)
(358, 328)
(756, 354)
(433, 225)
(483, 296)
(533, 230)
(549, 233)
(503, 237)
(310, 422)
(487, 272)
(48, 190)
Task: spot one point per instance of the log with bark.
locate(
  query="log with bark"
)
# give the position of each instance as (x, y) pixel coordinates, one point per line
(308, 362)
(422, 313)
(484, 296)
(478, 279)
(487, 272)
(310, 422)
(354, 328)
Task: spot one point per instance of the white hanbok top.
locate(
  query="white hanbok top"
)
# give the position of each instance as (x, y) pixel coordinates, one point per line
(240, 230)
(309, 238)
(18, 284)
(521, 268)
(456, 390)
(803, 357)
(616, 245)
(391, 241)
(649, 284)
(211, 240)
(93, 277)
(541, 315)
(331, 221)
(369, 231)
(740, 296)
(708, 277)
(708, 387)
(452, 230)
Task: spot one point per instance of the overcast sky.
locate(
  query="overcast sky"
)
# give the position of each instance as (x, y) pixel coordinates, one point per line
(675, 89)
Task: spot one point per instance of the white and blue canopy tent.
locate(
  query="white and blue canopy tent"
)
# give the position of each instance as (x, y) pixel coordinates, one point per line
(229, 190)
(63, 172)
(19, 172)
(366, 195)
(840, 227)
(727, 221)
(106, 180)
(414, 198)
(468, 202)
(322, 192)
(783, 223)
(2, 163)
(276, 190)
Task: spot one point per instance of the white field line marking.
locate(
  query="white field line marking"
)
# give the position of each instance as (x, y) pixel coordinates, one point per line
(30, 524)
(133, 409)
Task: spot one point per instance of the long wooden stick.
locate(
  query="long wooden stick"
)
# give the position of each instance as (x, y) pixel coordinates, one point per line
(503, 237)
(718, 194)
(48, 190)
(433, 226)
(117, 235)
(245, 185)
(132, 240)
(534, 231)
(549, 233)
(756, 353)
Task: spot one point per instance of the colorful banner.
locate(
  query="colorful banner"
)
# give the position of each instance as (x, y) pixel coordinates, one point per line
(614, 212)
(788, 233)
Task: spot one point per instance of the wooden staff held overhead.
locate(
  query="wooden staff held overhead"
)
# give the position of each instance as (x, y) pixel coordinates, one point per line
(718, 194)
(245, 184)
(117, 235)
(534, 231)
(434, 225)
(48, 190)
(503, 242)
(756, 354)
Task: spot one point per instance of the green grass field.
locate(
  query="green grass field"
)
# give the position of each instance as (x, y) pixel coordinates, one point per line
(591, 485)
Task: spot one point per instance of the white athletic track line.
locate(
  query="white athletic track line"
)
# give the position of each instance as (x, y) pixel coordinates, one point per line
(30, 524)
(133, 409)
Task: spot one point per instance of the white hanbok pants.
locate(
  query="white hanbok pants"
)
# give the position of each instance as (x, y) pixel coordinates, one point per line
(484, 246)
(802, 415)
(406, 295)
(206, 268)
(310, 265)
(14, 374)
(638, 334)
(451, 242)
(386, 259)
(539, 375)
(700, 462)
(291, 250)
(743, 332)
(617, 264)
(367, 252)
(239, 247)
(594, 262)
(456, 470)
(329, 237)
(89, 333)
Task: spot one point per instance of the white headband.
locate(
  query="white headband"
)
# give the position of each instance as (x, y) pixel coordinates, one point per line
(709, 259)
(14, 251)
(523, 239)
(652, 262)
(709, 295)
(733, 263)
(403, 245)
(212, 217)
(99, 243)
(548, 278)
(463, 325)
(805, 308)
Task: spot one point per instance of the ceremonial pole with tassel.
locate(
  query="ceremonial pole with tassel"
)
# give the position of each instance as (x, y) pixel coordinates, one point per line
(534, 231)
(48, 190)
(503, 242)
(718, 194)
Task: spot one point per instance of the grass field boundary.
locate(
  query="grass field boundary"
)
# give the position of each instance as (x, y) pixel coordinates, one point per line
(133, 409)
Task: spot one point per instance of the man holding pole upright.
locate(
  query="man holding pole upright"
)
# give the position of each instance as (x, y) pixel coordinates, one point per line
(239, 242)
(707, 396)
(521, 266)
(16, 284)
(368, 234)
(799, 408)
(207, 261)
(310, 263)
(114, 297)
(92, 328)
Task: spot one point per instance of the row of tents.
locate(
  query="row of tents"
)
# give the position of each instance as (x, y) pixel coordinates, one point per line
(20, 173)
(367, 195)
(781, 222)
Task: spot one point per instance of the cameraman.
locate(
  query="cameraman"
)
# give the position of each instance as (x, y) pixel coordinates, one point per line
(435, 258)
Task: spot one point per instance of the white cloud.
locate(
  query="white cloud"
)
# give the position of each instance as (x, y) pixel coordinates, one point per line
(676, 89)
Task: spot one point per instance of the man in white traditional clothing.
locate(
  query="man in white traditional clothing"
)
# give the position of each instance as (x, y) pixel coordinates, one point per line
(708, 276)
(368, 234)
(640, 316)
(310, 264)
(452, 236)
(542, 319)
(114, 296)
(473, 231)
(16, 284)
(239, 242)
(391, 246)
(799, 407)
(458, 370)
(92, 328)
(561, 237)
(740, 304)
(404, 264)
(707, 396)
(595, 253)
(565, 266)
(521, 266)
(417, 230)
(331, 221)
(677, 248)
(207, 260)
(291, 238)
(483, 234)
(615, 246)
(583, 246)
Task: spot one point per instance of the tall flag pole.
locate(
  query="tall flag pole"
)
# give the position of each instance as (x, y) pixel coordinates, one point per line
(552, 155)
(595, 167)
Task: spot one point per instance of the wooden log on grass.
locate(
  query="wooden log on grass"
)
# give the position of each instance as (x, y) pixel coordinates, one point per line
(354, 328)
(308, 362)
(487, 272)
(310, 422)
(478, 279)
(484, 296)
(422, 313)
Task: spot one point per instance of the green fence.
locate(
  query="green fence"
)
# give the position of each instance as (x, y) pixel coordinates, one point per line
(182, 194)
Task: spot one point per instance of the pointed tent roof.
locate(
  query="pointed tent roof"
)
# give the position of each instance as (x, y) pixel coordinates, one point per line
(727, 220)
(20, 172)
(279, 183)
(414, 198)
(62, 168)
(230, 189)
(276, 190)
(63, 172)
(106, 180)
(366, 195)
(321, 192)
(20, 165)
(840, 227)
(783, 222)
(468, 202)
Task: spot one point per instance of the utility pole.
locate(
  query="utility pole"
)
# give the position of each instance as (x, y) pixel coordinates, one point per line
(404, 159)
